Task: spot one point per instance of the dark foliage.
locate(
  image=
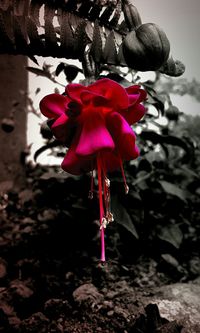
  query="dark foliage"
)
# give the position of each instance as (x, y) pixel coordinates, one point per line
(85, 28)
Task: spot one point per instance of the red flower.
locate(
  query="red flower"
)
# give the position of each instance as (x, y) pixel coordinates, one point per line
(95, 120)
(94, 123)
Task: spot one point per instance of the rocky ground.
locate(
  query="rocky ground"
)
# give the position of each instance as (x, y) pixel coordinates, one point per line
(52, 281)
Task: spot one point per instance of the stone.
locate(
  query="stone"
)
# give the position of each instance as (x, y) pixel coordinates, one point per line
(87, 294)
(180, 302)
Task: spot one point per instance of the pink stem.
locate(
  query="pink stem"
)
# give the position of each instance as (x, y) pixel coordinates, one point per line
(101, 209)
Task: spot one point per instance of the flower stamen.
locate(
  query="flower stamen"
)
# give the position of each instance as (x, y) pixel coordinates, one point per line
(109, 215)
(104, 223)
(101, 209)
(123, 175)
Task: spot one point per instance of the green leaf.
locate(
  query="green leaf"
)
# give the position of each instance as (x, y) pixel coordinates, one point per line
(171, 234)
(123, 29)
(49, 12)
(35, 41)
(170, 260)
(110, 51)
(154, 98)
(168, 139)
(116, 16)
(71, 72)
(50, 36)
(66, 35)
(122, 217)
(105, 16)
(80, 39)
(60, 68)
(56, 175)
(173, 190)
(50, 33)
(21, 8)
(20, 38)
(120, 57)
(35, 11)
(117, 78)
(96, 46)
(142, 177)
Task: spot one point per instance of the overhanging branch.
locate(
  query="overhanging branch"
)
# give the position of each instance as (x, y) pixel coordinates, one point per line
(75, 29)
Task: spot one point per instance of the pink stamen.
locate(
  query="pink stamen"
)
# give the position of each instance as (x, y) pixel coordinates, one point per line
(106, 195)
(106, 188)
(101, 209)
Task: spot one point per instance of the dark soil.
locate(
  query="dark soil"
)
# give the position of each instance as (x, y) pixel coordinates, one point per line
(51, 279)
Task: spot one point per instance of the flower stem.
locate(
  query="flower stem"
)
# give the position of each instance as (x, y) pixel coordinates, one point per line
(101, 209)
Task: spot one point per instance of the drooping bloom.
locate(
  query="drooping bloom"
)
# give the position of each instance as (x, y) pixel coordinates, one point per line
(94, 122)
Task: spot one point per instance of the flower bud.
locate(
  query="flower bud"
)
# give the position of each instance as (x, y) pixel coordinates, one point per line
(172, 113)
(131, 16)
(146, 48)
(173, 68)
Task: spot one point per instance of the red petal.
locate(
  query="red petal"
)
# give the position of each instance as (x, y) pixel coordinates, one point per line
(74, 90)
(136, 90)
(94, 136)
(76, 165)
(62, 128)
(90, 97)
(134, 113)
(53, 105)
(113, 91)
(123, 136)
(133, 99)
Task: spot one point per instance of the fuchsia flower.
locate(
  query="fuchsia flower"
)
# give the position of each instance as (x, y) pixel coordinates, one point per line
(94, 122)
